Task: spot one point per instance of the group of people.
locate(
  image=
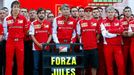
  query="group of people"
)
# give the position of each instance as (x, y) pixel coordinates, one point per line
(106, 40)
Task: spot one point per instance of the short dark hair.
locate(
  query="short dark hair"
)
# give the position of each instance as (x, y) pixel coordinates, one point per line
(74, 8)
(40, 9)
(100, 8)
(127, 7)
(96, 8)
(3, 8)
(15, 3)
(80, 8)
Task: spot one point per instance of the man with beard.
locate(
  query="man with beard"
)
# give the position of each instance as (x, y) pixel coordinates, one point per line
(40, 31)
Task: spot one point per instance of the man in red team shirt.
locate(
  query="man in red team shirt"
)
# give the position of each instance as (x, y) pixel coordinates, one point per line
(131, 34)
(111, 30)
(1, 38)
(126, 39)
(87, 31)
(2, 41)
(64, 27)
(98, 19)
(15, 39)
(27, 44)
(40, 32)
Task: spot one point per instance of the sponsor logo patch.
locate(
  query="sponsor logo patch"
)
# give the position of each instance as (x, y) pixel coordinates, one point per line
(10, 22)
(60, 22)
(84, 24)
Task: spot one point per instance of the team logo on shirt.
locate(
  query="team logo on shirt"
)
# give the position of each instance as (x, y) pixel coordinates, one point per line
(70, 22)
(116, 24)
(20, 21)
(84, 25)
(37, 26)
(124, 23)
(10, 22)
(94, 24)
(107, 24)
(46, 26)
(61, 22)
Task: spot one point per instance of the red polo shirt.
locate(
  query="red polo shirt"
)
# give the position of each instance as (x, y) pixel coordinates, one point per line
(41, 32)
(16, 27)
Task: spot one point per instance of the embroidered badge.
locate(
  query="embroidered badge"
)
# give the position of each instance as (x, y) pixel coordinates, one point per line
(20, 21)
(9, 21)
(46, 26)
(107, 24)
(60, 22)
(94, 24)
(84, 25)
(70, 23)
(37, 26)
(124, 23)
(116, 24)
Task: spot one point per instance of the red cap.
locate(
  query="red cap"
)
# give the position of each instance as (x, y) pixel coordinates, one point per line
(87, 8)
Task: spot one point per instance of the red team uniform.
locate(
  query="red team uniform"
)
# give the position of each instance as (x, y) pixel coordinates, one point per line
(87, 30)
(15, 43)
(1, 53)
(64, 29)
(131, 29)
(41, 31)
(111, 31)
(1, 29)
(126, 40)
(100, 45)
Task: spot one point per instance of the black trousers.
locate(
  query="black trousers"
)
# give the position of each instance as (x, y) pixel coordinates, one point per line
(28, 58)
